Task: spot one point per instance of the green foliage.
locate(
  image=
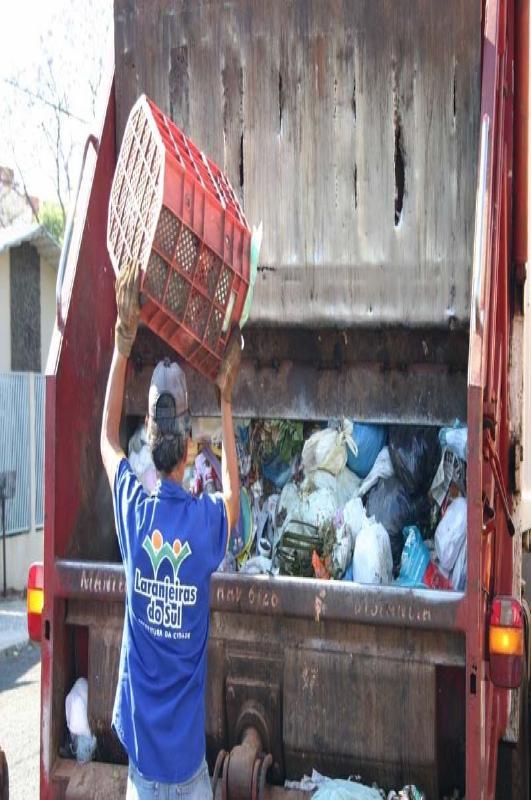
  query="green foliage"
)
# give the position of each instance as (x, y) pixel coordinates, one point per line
(276, 438)
(51, 217)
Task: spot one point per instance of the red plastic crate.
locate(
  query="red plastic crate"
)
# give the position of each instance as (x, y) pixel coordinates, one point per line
(173, 209)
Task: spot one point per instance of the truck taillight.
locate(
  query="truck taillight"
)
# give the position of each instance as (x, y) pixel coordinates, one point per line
(506, 642)
(35, 601)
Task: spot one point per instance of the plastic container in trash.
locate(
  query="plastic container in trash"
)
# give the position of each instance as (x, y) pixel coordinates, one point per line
(415, 558)
(174, 211)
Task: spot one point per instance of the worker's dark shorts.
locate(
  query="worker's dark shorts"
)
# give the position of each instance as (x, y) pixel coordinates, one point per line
(197, 788)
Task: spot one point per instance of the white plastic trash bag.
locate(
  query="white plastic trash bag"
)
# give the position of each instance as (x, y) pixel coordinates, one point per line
(327, 449)
(458, 574)
(373, 560)
(450, 535)
(382, 468)
(76, 708)
(345, 485)
(319, 479)
(318, 508)
(347, 525)
(354, 517)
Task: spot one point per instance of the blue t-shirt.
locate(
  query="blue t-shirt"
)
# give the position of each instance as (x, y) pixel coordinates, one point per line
(171, 543)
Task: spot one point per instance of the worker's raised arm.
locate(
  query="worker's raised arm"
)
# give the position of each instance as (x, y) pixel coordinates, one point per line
(225, 381)
(128, 306)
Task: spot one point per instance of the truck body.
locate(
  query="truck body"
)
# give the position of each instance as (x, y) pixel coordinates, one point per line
(385, 150)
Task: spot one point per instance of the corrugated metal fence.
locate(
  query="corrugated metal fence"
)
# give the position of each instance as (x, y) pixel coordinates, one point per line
(39, 389)
(22, 447)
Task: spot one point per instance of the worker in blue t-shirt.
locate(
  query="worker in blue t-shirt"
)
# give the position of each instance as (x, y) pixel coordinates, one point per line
(171, 543)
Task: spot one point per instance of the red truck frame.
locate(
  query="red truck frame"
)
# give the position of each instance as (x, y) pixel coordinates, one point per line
(500, 256)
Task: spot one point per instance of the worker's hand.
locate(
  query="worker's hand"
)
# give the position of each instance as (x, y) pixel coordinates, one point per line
(230, 365)
(128, 306)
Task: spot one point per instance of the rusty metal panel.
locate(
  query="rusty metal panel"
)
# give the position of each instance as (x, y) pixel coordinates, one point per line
(104, 621)
(349, 128)
(372, 714)
(399, 375)
(303, 598)
(322, 667)
(104, 648)
(308, 598)
(278, 646)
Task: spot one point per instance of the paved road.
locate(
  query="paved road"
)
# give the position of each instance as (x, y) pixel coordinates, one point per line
(13, 623)
(20, 678)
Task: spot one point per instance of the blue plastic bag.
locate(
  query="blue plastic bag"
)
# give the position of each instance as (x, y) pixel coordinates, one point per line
(277, 471)
(369, 439)
(415, 558)
(349, 573)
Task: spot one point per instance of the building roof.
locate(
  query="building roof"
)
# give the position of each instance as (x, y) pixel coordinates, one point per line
(15, 235)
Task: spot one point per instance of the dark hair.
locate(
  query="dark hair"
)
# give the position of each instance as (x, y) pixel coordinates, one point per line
(167, 449)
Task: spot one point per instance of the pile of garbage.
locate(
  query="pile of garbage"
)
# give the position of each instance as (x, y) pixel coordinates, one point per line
(320, 787)
(350, 501)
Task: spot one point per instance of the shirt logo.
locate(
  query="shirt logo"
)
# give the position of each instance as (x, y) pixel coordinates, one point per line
(158, 550)
(166, 597)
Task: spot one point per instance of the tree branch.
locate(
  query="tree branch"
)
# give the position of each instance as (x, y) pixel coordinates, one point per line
(25, 193)
(59, 107)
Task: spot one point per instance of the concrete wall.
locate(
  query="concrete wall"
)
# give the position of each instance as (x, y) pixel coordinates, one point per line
(48, 281)
(5, 315)
(21, 551)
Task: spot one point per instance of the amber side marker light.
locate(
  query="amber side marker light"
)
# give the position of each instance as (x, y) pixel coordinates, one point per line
(506, 642)
(35, 601)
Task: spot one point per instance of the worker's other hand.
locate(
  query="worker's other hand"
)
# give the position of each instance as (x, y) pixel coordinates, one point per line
(128, 306)
(230, 365)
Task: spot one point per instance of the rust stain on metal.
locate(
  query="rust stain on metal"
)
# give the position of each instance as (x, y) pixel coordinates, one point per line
(320, 605)
(309, 678)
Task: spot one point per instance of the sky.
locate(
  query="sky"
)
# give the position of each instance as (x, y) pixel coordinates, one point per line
(65, 38)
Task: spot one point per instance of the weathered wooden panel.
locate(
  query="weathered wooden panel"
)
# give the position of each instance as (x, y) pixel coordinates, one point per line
(349, 127)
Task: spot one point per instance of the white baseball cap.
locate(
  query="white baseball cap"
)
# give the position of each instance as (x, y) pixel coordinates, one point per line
(168, 398)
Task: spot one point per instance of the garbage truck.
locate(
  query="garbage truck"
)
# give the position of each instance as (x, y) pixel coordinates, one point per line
(384, 146)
